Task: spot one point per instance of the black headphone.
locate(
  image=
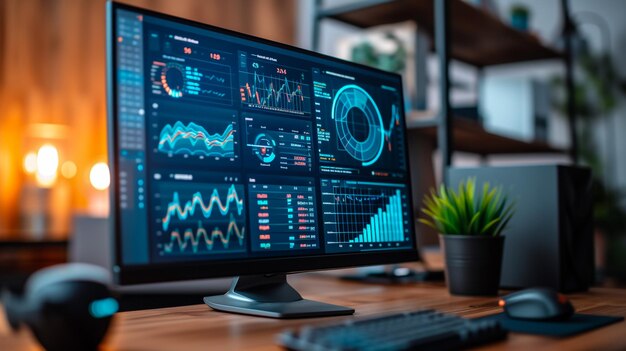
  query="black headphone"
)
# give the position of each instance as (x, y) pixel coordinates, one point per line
(67, 307)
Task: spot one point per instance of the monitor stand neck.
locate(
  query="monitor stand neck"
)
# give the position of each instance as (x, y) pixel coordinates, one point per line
(270, 296)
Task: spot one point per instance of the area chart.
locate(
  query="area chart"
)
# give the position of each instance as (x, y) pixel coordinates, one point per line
(194, 139)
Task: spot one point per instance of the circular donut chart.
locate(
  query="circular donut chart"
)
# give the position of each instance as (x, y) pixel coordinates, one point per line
(173, 79)
(364, 139)
(264, 148)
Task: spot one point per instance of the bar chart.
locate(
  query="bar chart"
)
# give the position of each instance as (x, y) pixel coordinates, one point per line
(364, 215)
(385, 224)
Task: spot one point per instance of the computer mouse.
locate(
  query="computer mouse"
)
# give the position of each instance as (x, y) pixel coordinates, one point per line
(540, 304)
(67, 307)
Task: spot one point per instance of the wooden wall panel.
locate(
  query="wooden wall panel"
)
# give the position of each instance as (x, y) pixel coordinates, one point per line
(52, 70)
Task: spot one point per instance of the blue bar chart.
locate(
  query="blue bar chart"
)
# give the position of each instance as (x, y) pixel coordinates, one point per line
(364, 215)
(385, 225)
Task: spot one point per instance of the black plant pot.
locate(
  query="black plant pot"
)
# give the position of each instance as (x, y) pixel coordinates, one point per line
(473, 263)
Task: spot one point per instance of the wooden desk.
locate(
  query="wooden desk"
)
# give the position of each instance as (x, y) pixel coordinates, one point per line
(199, 328)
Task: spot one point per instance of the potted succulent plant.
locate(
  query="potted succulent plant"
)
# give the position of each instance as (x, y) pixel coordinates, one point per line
(520, 16)
(470, 227)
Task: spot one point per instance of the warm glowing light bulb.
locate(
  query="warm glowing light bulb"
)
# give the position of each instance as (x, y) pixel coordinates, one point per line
(47, 165)
(99, 176)
(69, 169)
(30, 163)
(47, 160)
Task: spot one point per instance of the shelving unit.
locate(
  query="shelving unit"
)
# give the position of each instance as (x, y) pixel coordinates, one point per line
(465, 33)
(480, 39)
(470, 136)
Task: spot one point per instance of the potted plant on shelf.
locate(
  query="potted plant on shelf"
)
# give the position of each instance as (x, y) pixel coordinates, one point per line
(470, 227)
(520, 16)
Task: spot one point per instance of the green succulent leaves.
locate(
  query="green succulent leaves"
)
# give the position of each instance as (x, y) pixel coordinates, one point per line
(463, 212)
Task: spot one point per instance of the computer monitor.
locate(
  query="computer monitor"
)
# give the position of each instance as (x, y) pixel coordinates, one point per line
(233, 155)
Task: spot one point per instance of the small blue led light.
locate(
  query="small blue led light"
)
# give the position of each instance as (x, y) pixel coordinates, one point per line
(103, 308)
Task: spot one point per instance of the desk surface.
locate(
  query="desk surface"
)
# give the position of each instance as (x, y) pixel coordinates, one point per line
(199, 328)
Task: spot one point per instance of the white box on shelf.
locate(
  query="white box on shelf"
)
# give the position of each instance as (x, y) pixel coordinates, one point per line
(518, 107)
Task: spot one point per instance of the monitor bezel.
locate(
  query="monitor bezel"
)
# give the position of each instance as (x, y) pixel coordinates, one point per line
(158, 272)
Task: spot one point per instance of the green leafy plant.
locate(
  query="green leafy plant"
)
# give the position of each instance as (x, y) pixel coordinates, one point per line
(520, 10)
(367, 53)
(463, 212)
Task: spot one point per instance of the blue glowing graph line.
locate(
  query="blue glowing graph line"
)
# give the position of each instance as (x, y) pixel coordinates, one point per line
(213, 92)
(216, 78)
(365, 198)
(188, 209)
(393, 122)
(194, 139)
(201, 235)
(352, 96)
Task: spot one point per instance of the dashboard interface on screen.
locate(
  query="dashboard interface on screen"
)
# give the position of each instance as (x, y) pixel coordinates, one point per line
(233, 149)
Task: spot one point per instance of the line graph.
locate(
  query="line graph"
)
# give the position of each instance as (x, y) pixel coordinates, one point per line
(394, 123)
(268, 85)
(275, 93)
(212, 92)
(192, 239)
(182, 211)
(194, 219)
(194, 139)
(214, 77)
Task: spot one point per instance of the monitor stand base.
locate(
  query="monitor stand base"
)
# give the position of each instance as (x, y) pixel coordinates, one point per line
(270, 296)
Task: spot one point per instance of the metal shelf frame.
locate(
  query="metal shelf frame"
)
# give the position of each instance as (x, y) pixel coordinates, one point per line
(442, 40)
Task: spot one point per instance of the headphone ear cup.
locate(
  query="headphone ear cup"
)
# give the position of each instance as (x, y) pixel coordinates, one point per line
(13, 309)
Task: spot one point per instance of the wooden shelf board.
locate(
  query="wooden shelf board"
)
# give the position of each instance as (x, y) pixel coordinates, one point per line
(470, 136)
(478, 38)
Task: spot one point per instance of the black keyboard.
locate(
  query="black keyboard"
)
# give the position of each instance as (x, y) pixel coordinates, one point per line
(419, 330)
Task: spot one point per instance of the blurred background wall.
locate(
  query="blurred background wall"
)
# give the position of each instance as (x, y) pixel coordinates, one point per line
(52, 93)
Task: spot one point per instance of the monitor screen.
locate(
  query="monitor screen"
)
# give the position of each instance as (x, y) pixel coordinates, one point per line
(233, 155)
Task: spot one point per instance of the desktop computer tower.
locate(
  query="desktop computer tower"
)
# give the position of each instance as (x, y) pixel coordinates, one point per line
(549, 240)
